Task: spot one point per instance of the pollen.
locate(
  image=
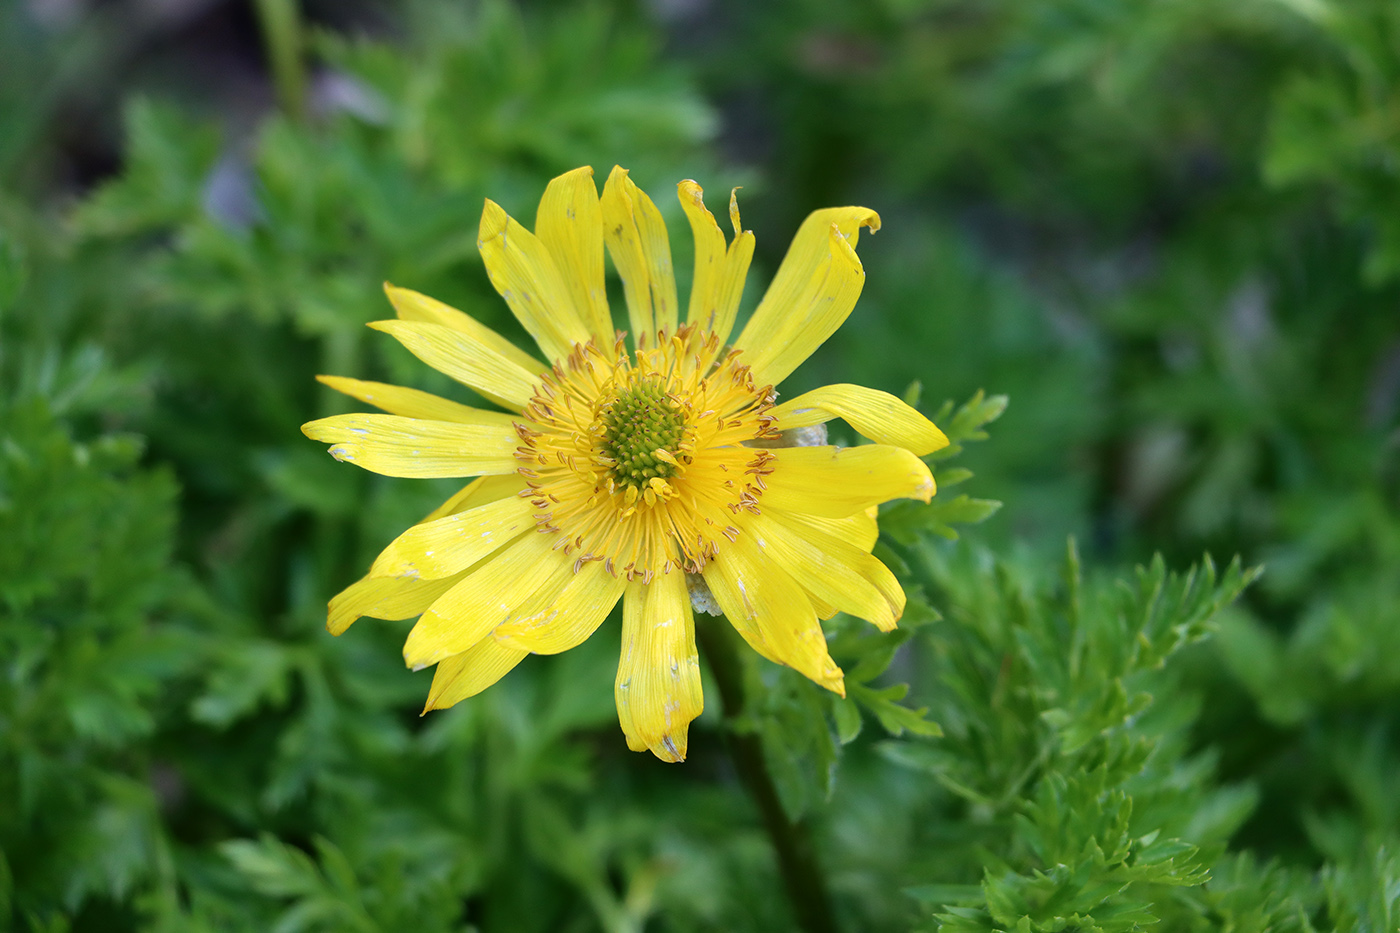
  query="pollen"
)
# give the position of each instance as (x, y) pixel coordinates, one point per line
(635, 459)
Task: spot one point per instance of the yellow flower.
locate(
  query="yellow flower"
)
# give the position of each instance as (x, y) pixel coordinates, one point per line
(657, 476)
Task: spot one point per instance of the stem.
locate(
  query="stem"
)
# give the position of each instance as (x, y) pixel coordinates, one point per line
(792, 842)
(280, 21)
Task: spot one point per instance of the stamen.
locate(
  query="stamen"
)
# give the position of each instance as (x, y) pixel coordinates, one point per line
(650, 471)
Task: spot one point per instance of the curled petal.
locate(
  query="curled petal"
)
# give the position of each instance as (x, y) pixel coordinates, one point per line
(718, 284)
(875, 414)
(837, 482)
(383, 599)
(814, 291)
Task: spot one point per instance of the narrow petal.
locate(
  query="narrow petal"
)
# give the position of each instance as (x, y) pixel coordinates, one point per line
(383, 599)
(486, 597)
(404, 598)
(836, 572)
(768, 607)
(570, 617)
(859, 529)
(636, 239)
(522, 270)
(411, 403)
(477, 492)
(466, 359)
(815, 289)
(823, 609)
(467, 674)
(412, 447)
(836, 482)
(449, 545)
(658, 675)
(709, 254)
(719, 272)
(875, 414)
(412, 306)
(570, 225)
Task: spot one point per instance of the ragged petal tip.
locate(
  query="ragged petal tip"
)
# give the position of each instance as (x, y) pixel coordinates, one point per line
(669, 751)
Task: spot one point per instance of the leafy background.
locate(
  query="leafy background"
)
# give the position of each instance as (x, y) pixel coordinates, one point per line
(1167, 232)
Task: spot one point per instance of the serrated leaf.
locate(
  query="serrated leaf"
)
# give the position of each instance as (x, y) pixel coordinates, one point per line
(894, 718)
(847, 716)
(949, 478)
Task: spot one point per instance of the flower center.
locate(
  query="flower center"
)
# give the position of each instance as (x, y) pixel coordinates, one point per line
(640, 461)
(642, 429)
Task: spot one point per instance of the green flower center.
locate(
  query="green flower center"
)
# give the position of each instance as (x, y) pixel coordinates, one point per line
(639, 421)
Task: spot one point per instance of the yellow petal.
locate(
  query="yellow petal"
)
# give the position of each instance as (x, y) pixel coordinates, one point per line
(469, 361)
(875, 414)
(412, 447)
(383, 599)
(570, 617)
(824, 609)
(636, 238)
(658, 675)
(404, 598)
(477, 492)
(570, 225)
(859, 529)
(815, 289)
(836, 482)
(836, 572)
(449, 545)
(768, 607)
(467, 674)
(486, 597)
(719, 272)
(411, 403)
(521, 269)
(411, 306)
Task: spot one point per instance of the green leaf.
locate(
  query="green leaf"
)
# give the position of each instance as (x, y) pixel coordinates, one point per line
(847, 716)
(895, 719)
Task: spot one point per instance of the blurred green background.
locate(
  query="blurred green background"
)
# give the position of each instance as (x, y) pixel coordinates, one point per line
(1167, 230)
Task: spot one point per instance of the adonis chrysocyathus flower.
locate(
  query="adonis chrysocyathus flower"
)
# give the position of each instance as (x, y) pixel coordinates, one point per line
(660, 470)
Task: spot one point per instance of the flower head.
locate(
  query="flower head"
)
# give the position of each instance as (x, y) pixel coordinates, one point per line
(652, 470)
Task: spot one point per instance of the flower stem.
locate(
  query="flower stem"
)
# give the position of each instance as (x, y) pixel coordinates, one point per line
(280, 21)
(792, 841)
